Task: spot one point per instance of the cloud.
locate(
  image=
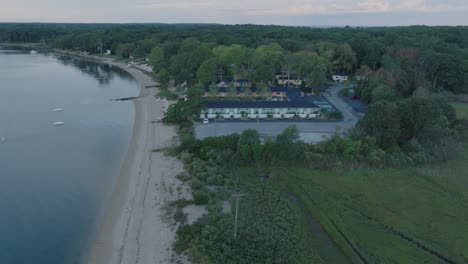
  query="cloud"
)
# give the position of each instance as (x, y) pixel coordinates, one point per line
(373, 6)
(424, 6)
(238, 11)
(174, 5)
(411, 5)
(331, 7)
(296, 10)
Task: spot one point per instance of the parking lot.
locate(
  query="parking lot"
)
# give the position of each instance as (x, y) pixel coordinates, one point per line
(311, 131)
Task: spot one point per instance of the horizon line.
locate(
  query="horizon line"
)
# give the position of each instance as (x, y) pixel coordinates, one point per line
(230, 24)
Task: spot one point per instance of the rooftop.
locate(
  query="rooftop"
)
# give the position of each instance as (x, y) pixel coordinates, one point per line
(261, 104)
(340, 74)
(291, 93)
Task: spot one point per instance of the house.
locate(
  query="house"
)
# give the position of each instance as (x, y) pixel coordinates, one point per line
(279, 92)
(340, 77)
(238, 84)
(222, 84)
(242, 86)
(361, 78)
(286, 79)
(260, 109)
(285, 93)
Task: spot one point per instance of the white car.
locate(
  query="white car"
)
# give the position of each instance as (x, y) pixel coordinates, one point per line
(206, 121)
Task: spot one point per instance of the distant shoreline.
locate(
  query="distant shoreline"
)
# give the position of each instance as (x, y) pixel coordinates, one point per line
(23, 45)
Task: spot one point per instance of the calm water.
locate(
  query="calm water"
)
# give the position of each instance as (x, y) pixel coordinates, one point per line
(53, 180)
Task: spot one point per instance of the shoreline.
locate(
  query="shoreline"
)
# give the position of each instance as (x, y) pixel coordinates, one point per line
(99, 247)
(133, 226)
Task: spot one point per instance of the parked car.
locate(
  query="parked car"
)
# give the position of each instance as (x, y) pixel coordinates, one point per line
(206, 121)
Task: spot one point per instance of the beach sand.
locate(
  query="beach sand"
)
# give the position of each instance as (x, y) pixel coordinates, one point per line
(135, 227)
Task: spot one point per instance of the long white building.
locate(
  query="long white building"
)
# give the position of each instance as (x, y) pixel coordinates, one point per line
(260, 109)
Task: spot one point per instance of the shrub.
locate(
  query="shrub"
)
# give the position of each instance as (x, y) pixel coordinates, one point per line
(180, 216)
(200, 197)
(196, 184)
(334, 115)
(447, 148)
(185, 235)
(165, 93)
(186, 157)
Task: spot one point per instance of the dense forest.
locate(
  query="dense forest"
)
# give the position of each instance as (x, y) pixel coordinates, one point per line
(407, 58)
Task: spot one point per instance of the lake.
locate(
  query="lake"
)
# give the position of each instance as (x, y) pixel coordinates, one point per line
(55, 180)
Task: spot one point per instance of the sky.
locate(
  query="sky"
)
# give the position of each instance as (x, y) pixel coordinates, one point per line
(278, 12)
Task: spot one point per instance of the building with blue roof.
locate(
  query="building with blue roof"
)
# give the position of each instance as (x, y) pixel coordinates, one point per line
(260, 109)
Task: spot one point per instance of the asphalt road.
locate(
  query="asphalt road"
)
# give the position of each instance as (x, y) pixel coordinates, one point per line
(310, 131)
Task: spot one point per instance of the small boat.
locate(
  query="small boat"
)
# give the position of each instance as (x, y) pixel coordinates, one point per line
(58, 109)
(59, 123)
(3, 139)
(33, 52)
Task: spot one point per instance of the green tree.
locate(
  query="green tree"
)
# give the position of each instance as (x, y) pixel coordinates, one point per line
(156, 58)
(266, 62)
(318, 75)
(139, 53)
(164, 77)
(249, 146)
(373, 54)
(198, 55)
(186, 111)
(207, 72)
(213, 89)
(289, 62)
(231, 89)
(345, 58)
(444, 71)
(425, 119)
(179, 70)
(382, 122)
(383, 92)
(289, 136)
(305, 62)
(148, 44)
(125, 50)
(231, 57)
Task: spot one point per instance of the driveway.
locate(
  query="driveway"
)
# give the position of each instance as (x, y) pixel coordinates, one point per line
(310, 131)
(350, 117)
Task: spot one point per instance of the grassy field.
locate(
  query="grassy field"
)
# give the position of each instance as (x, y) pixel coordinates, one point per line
(412, 215)
(316, 239)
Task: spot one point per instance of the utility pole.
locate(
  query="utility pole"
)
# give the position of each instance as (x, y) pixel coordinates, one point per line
(258, 131)
(216, 126)
(238, 195)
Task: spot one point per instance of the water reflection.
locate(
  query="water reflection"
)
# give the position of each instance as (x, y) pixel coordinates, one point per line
(103, 73)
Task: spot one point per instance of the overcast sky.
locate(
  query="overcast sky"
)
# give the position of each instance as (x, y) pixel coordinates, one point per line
(281, 12)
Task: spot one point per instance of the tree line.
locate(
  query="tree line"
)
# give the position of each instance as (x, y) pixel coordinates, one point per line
(197, 62)
(405, 57)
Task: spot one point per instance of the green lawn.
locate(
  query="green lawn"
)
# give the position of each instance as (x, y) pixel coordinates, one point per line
(412, 215)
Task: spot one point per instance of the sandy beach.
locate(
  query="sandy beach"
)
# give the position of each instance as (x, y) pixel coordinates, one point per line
(134, 227)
